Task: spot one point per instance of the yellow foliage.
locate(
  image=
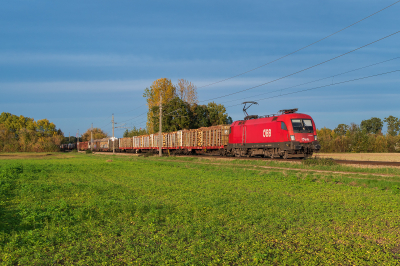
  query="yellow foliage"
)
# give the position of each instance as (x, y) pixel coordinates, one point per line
(97, 134)
(161, 86)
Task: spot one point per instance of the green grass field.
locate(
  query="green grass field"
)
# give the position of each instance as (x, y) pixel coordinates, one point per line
(79, 209)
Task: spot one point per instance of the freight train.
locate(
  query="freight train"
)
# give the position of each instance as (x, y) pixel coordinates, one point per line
(287, 134)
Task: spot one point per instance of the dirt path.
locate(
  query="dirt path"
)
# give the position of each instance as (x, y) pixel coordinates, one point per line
(383, 157)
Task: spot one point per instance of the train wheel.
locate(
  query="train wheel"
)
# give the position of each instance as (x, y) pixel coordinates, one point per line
(238, 153)
(286, 155)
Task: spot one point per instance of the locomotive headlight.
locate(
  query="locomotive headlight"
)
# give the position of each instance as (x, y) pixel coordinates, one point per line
(315, 137)
(292, 138)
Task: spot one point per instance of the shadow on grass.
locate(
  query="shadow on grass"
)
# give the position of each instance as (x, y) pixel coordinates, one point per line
(10, 219)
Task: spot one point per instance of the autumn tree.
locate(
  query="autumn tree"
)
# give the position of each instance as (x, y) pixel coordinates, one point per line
(97, 134)
(393, 125)
(159, 87)
(187, 92)
(15, 123)
(8, 141)
(45, 128)
(19, 133)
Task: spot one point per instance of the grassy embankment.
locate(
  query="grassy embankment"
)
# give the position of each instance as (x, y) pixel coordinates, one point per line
(85, 210)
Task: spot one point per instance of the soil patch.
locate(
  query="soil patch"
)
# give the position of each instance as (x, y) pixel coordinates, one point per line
(383, 157)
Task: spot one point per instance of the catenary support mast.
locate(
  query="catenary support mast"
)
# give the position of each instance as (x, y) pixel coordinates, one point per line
(160, 128)
(113, 133)
(91, 138)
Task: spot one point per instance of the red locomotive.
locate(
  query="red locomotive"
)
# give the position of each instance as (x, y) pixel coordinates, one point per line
(287, 135)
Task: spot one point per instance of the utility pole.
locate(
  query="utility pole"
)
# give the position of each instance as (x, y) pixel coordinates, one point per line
(69, 137)
(112, 121)
(91, 138)
(78, 140)
(160, 127)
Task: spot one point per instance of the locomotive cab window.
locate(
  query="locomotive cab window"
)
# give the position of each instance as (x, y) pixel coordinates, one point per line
(302, 126)
(283, 126)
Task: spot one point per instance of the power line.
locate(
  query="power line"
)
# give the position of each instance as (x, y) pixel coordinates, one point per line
(138, 123)
(317, 79)
(297, 72)
(133, 118)
(144, 114)
(324, 86)
(132, 109)
(105, 125)
(273, 61)
(294, 74)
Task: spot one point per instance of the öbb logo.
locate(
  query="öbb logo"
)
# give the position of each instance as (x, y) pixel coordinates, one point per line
(267, 133)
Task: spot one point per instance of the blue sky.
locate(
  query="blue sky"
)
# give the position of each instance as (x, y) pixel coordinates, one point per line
(77, 62)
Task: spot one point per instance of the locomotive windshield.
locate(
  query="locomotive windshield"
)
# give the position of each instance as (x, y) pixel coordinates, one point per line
(302, 126)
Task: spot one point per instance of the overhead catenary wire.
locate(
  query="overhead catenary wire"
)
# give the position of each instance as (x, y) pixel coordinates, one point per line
(294, 85)
(280, 90)
(282, 57)
(100, 122)
(306, 83)
(323, 86)
(287, 56)
(142, 115)
(305, 69)
(133, 118)
(105, 125)
(132, 109)
(309, 89)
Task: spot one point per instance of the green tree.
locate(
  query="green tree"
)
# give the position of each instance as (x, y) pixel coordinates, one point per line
(373, 125)
(393, 125)
(341, 129)
(200, 116)
(176, 116)
(134, 132)
(71, 139)
(217, 114)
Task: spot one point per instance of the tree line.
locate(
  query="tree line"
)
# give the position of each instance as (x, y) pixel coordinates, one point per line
(19, 133)
(366, 137)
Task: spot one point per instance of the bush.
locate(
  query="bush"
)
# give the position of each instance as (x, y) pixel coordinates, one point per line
(149, 153)
(89, 152)
(357, 141)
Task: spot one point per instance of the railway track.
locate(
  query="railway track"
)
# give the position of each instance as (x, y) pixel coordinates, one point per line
(377, 163)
